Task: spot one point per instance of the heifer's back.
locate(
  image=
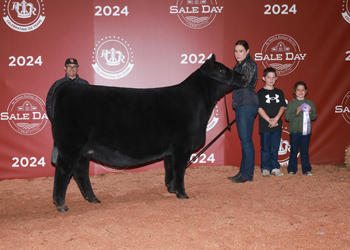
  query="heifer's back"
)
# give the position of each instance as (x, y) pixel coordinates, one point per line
(122, 126)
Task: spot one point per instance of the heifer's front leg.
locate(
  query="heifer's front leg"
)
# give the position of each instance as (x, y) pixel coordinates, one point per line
(169, 174)
(62, 177)
(81, 176)
(179, 166)
(179, 181)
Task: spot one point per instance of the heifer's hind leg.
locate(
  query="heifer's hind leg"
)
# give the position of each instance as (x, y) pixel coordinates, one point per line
(81, 176)
(62, 177)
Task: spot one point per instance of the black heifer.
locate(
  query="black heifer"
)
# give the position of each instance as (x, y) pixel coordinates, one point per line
(127, 127)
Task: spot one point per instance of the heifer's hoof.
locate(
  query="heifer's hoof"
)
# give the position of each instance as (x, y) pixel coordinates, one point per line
(93, 200)
(62, 209)
(182, 196)
(171, 189)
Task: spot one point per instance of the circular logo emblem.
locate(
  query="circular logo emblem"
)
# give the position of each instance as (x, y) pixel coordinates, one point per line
(214, 118)
(24, 16)
(344, 108)
(26, 114)
(196, 14)
(282, 53)
(345, 11)
(112, 58)
(284, 150)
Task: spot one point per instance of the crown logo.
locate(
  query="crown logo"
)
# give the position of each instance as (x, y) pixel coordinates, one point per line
(24, 9)
(113, 57)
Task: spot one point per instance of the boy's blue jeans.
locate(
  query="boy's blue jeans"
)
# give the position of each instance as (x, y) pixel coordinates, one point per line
(270, 143)
(297, 140)
(245, 117)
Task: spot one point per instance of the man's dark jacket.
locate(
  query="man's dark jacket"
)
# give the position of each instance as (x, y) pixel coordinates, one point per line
(50, 94)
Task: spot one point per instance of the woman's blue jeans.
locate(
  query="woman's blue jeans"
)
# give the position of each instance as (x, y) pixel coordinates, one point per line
(245, 117)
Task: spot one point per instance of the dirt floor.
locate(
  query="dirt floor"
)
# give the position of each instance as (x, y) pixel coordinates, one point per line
(137, 212)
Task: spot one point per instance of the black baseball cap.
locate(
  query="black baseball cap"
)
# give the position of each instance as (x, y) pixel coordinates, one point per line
(71, 61)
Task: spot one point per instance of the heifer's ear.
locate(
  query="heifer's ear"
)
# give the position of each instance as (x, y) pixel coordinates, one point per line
(208, 65)
(213, 58)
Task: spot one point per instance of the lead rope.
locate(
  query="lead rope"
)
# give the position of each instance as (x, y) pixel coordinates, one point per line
(228, 120)
(210, 143)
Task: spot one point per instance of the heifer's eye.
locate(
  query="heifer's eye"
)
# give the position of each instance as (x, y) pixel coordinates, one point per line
(222, 71)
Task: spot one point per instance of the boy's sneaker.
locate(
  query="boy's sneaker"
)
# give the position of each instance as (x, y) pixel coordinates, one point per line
(291, 173)
(265, 173)
(308, 173)
(277, 172)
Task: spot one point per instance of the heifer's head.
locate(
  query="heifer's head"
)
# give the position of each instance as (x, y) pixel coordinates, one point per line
(221, 73)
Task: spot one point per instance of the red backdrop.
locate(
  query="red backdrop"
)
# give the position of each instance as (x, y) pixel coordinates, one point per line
(160, 43)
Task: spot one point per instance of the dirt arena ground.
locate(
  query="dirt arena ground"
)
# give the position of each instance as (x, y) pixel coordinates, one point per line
(288, 212)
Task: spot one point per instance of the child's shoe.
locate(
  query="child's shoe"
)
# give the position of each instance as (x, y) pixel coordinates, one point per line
(277, 172)
(265, 173)
(308, 173)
